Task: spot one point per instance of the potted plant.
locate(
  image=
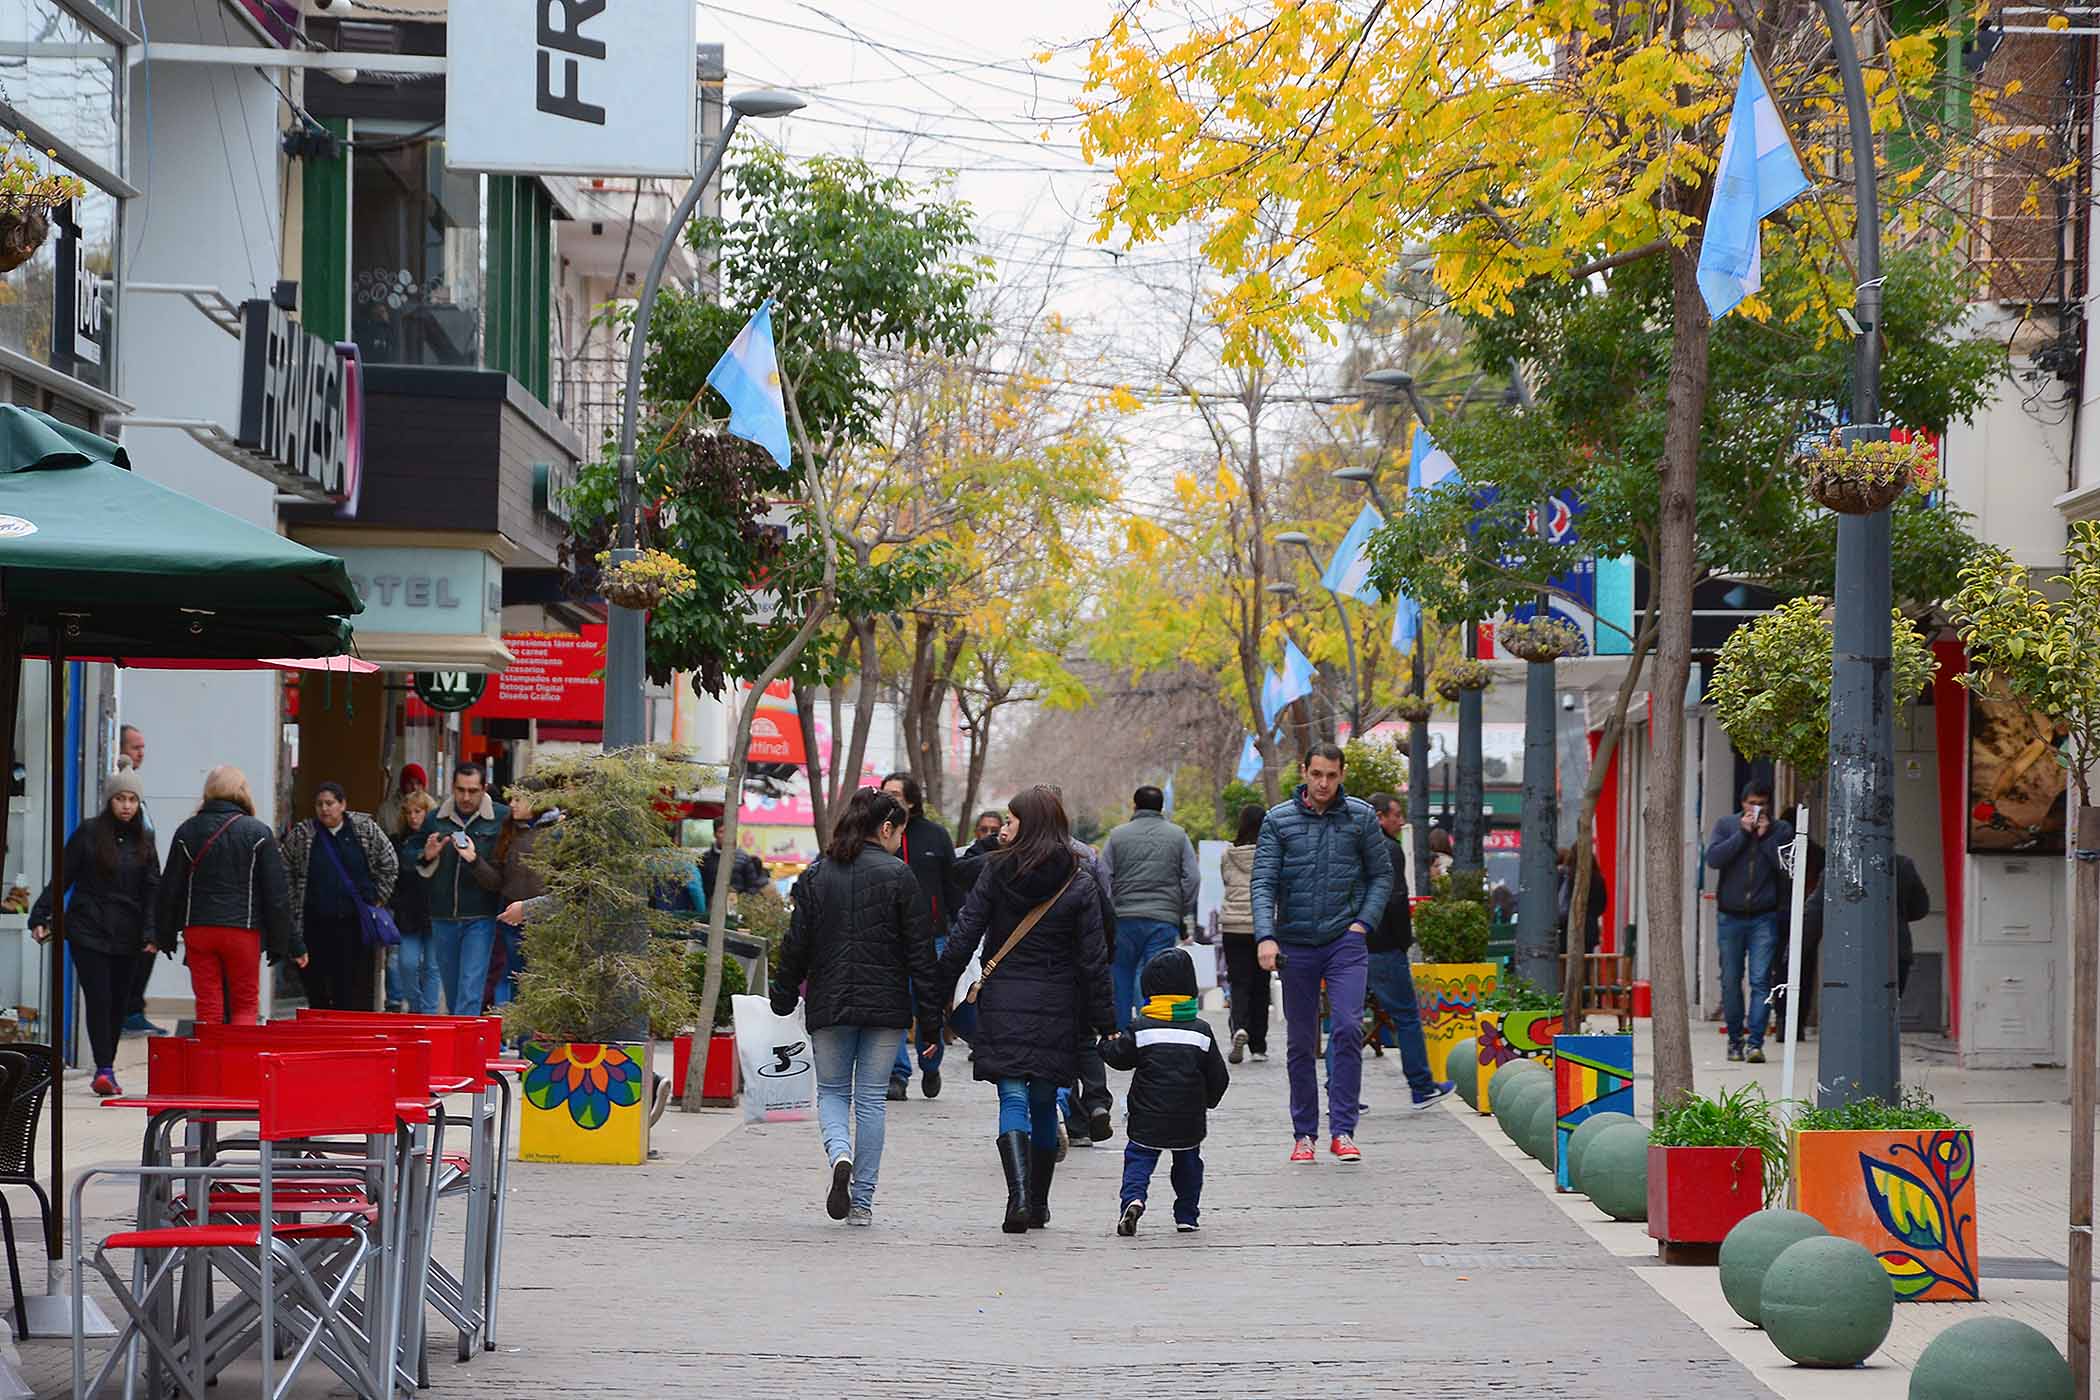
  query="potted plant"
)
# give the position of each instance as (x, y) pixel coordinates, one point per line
(643, 583)
(1412, 708)
(1900, 1179)
(1859, 478)
(1542, 638)
(1461, 674)
(1453, 931)
(1592, 1074)
(596, 978)
(722, 1084)
(1711, 1161)
(28, 192)
(1517, 1022)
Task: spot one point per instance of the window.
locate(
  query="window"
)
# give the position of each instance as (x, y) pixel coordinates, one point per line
(415, 253)
(521, 241)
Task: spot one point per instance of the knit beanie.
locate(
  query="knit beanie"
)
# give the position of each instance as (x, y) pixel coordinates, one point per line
(125, 781)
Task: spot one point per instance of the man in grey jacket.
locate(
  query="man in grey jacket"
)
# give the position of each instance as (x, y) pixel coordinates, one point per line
(1745, 848)
(1152, 879)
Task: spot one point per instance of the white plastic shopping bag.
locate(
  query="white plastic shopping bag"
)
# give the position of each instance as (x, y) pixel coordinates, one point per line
(971, 976)
(780, 1069)
(1205, 957)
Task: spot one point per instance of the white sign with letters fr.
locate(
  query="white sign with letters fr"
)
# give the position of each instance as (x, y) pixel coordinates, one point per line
(571, 87)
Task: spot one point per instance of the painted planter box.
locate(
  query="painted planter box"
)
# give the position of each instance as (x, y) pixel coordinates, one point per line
(1513, 1035)
(1696, 1195)
(724, 1076)
(1591, 1074)
(585, 1103)
(1908, 1196)
(1449, 995)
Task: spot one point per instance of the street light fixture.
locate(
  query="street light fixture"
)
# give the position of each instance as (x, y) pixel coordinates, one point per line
(625, 667)
(1399, 381)
(1366, 478)
(1356, 704)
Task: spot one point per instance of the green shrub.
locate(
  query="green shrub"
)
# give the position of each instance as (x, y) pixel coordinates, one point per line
(1913, 1112)
(1452, 930)
(1516, 994)
(733, 984)
(1742, 1118)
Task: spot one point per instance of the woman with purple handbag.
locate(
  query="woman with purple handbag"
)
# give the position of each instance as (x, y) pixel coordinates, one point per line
(342, 874)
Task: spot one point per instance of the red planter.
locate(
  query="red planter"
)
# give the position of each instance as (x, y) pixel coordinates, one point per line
(1697, 1194)
(723, 1081)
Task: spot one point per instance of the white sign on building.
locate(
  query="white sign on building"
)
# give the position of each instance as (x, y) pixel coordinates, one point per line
(571, 87)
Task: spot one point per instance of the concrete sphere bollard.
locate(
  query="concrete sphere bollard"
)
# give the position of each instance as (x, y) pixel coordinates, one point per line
(1540, 1122)
(1615, 1171)
(1463, 1066)
(1513, 1102)
(1585, 1133)
(1827, 1302)
(1992, 1356)
(1512, 1074)
(1749, 1250)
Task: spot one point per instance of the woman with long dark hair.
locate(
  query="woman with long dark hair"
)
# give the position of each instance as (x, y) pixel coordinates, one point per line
(1036, 916)
(112, 872)
(860, 953)
(1250, 985)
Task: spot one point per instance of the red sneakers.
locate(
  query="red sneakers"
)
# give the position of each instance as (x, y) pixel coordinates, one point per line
(1302, 1152)
(1344, 1149)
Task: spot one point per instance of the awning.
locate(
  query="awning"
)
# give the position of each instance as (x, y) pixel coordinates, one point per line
(433, 651)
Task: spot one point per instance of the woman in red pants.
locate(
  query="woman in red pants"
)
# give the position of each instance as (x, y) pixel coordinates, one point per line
(226, 888)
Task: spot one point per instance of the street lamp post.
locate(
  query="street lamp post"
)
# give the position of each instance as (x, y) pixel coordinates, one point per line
(1356, 690)
(626, 668)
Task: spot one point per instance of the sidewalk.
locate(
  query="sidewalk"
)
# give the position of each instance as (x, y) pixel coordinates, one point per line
(1430, 1269)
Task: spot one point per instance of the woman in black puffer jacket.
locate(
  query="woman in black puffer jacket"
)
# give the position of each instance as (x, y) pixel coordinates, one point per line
(859, 938)
(1034, 1000)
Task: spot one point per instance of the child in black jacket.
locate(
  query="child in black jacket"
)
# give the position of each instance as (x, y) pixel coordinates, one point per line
(1180, 1077)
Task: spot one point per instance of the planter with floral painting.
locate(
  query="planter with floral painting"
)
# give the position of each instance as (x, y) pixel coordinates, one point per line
(585, 1103)
(1513, 1035)
(1908, 1195)
(1449, 996)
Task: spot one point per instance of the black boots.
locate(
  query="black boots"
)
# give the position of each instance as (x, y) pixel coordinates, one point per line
(1041, 1169)
(1014, 1153)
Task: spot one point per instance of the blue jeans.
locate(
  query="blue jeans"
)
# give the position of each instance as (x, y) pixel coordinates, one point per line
(1138, 941)
(1392, 981)
(852, 1071)
(463, 960)
(513, 962)
(901, 1068)
(414, 964)
(1187, 1176)
(1342, 964)
(1754, 937)
(1029, 1106)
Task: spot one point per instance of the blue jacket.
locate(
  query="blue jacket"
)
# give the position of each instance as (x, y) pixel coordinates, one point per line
(1316, 873)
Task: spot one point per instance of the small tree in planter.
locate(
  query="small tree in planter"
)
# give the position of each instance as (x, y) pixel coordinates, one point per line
(1900, 1179)
(588, 992)
(29, 191)
(1711, 1161)
(1453, 931)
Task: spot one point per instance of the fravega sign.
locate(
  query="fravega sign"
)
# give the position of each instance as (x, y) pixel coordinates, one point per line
(300, 405)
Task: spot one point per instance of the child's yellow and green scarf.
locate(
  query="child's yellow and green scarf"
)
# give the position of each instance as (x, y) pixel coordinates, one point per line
(1170, 1008)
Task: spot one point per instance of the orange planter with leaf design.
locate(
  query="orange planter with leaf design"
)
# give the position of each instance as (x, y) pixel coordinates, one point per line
(1908, 1196)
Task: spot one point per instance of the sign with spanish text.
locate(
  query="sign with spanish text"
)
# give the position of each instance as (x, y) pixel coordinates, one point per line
(554, 676)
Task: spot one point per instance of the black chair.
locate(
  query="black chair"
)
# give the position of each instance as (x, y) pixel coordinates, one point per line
(25, 1082)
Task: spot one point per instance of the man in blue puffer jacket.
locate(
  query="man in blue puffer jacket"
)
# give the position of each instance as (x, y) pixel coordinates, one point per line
(1321, 881)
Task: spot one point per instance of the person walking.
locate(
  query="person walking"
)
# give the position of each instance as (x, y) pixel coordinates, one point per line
(1153, 878)
(1087, 1107)
(1321, 875)
(393, 813)
(985, 834)
(457, 862)
(1178, 1077)
(1600, 893)
(1036, 916)
(1745, 848)
(339, 862)
(131, 757)
(860, 957)
(927, 849)
(414, 962)
(1245, 976)
(226, 889)
(113, 875)
(521, 880)
(1389, 976)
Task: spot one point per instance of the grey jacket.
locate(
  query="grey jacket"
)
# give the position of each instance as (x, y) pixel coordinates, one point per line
(1151, 869)
(1316, 873)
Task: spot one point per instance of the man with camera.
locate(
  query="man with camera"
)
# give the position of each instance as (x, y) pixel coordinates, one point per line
(462, 877)
(1745, 849)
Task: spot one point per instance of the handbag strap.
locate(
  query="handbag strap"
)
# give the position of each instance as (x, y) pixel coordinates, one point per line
(1024, 928)
(213, 840)
(335, 858)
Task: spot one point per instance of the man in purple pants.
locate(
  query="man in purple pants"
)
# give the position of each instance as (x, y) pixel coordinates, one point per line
(1322, 877)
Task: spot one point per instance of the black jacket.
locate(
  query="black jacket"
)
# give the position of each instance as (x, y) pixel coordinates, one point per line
(235, 881)
(1395, 931)
(1180, 1074)
(411, 901)
(1030, 1010)
(930, 853)
(108, 914)
(859, 938)
(747, 873)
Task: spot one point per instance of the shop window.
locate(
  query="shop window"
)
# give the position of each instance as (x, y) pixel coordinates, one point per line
(415, 253)
(520, 286)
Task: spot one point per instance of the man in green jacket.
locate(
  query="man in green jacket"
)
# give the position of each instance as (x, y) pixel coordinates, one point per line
(1152, 880)
(459, 871)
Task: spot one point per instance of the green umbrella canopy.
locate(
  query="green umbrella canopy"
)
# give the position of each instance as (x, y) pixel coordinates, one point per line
(138, 571)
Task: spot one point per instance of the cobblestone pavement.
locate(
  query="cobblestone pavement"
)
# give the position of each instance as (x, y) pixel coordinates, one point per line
(1431, 1268)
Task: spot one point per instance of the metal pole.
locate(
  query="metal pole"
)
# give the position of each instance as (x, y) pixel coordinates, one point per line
(55, 948)
(1538, 893)
(1356, 689)
(1860, 1058)
(1467, 853)
(1418, 775)
(1796, 917)
(2085, 1021)
(626, 666)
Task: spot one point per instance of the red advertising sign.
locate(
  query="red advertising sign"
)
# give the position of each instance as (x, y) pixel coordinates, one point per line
(776, 730)
(556, 676)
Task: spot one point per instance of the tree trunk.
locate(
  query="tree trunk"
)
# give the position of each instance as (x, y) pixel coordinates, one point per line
(980, 749)
(812, 765)
(1662, 808)
(845, 771)
(1586, 827)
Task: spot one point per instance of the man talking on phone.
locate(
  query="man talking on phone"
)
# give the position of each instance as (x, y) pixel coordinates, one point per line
(459, 871)
(1745, 849)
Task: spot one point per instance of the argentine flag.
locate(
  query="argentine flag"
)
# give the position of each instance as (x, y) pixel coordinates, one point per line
(1430, 466)
(748, 376)
(1407, 623)
(1757, 176)
(1272, 697)
(1297, 674)
(1349, 572)
(1250, 762)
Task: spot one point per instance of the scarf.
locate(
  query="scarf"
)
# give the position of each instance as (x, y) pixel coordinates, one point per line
(1170, 1008)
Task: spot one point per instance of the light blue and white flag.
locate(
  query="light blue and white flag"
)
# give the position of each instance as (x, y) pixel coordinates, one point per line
(1250, 762)
(1430, 466)
(748, 376)
(1297, 673)
(1407, 623)
(1349, 572)
(1758, 175)
(1167, 796)
(1272, 697)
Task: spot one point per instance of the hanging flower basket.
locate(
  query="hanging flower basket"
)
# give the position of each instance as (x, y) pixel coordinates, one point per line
(1539, 638)
(1863, 477)
(1412, 708)
(1461, 676)
(646, 582)
(27, 192)
(20, 236)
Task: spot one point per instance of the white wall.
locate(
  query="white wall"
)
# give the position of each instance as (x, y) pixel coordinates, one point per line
(2009, 464)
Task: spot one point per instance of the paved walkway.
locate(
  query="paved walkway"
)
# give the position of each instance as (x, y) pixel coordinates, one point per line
(1433, 1268)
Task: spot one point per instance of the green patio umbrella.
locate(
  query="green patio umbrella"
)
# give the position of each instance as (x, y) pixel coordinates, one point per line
(97, 563)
